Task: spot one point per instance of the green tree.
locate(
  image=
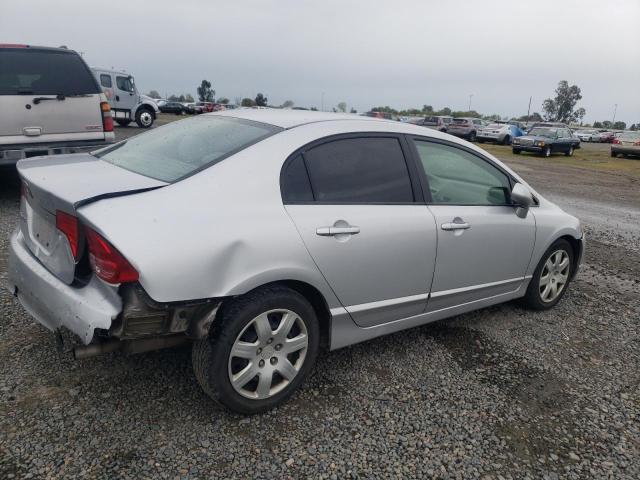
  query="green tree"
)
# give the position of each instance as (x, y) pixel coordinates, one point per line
(314, 109)
(342, 106)
(597, 125)
(153, 94)
(173, 98)
(205, 92)
(427, 109)
(634, 127)
(619, 126)
(189, 98)
(247, 102)
(223, 100)
(353, 110)
(445, 111)
(287, 104)
(261, 100)
(562, 108)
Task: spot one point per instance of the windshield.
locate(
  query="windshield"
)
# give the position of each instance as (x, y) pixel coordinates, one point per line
(182, 148)
(543, 132)
(496, 125)
(25, 71)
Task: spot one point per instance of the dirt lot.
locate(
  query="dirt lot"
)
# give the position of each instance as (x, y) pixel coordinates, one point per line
(495, 394)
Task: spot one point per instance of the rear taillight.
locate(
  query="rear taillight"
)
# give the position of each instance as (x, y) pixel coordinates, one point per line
(68, 224)
(616, 140)
(107, 262)
(107, 119)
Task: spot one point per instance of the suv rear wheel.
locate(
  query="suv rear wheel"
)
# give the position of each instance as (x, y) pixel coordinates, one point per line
(472, 137)
(260, 350)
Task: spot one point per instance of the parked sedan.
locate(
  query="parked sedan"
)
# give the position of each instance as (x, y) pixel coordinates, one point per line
(588, 135)
(262, 235)
(173, 107)
(605, 136)
(503, 133)
(627, 143)
(546, 141)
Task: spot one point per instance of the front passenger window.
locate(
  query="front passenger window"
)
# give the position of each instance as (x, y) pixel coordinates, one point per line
(458, 177)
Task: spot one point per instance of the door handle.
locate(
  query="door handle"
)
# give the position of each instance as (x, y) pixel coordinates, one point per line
(455, 226)
(331, 231)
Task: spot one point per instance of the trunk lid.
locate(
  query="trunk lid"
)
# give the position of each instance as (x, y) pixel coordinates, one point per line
(66, 182)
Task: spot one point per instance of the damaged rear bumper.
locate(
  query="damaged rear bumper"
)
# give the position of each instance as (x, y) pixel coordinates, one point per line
(55, 304)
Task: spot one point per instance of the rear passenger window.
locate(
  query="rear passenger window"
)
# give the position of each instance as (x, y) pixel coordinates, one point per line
(294, 183)
(359, 170)
(105, 80)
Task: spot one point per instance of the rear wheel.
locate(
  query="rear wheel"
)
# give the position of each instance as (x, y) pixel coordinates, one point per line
(515, 150)
(472, 137)
(569, 152)
(614, 155)
(506, 140)
(551, 277)
(260, 350)
(144, 117)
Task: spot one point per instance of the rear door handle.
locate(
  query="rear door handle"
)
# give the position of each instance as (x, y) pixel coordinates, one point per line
(455, 226)
(331, 231)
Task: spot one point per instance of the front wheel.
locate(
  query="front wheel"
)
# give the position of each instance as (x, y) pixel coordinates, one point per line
(261, 349)
(551, 277)
(472, 137)
(569, 152)
(547, 151)
(516, 151)
(506, 140)
(144, 118)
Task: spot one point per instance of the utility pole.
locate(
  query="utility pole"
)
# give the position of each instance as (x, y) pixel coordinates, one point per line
(470, 97)
(322, 102)
(615, 110)
(529, 110)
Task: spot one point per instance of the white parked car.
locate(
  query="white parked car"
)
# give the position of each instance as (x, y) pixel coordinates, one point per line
(587, 135)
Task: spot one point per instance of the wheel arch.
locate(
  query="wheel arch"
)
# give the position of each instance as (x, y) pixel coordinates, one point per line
(146, 106)
(577, 245)
(312, 294)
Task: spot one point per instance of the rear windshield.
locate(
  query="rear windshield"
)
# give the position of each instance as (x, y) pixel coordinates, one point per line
(182, 148)
(431, 120)
(460, 120)
(24, 71)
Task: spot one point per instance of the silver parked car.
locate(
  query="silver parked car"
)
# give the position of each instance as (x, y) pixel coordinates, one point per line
(263, 235)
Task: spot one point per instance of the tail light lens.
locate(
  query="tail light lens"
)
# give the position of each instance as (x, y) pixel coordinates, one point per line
(616, 140)
(637, 143)
(68, 225)
(107, 119)
(107, 262)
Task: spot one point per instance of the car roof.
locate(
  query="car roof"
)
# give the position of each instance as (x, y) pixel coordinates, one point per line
(285, 118)
(19, 46)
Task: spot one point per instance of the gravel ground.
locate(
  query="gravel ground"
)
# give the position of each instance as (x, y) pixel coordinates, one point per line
(496, 394)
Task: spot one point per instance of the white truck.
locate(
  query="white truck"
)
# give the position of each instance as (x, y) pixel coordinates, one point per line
(127, 104)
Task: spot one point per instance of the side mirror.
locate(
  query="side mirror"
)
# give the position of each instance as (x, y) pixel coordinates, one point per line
(522, 199)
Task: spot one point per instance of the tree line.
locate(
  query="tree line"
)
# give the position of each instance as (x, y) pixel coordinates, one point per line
(560, 108)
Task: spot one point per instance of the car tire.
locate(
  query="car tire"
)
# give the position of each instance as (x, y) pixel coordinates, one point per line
(145, 117)
(506, 140)
(516, 151)
(547, 151)
(569, 153)
(614, 155)
(547, 273)
(236, 330)
(480, 141)
(123, 123)
(472, 137)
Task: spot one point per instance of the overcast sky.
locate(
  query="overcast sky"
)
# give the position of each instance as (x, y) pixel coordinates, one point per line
(401, 53)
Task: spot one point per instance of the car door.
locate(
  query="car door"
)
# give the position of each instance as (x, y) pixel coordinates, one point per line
(362, 218)
(125, 98)
(484, 248)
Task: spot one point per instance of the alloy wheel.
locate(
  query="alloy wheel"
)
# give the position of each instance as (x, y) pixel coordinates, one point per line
(554, 275)
(268, 354)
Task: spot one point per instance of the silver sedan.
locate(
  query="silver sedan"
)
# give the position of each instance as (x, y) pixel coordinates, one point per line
(261, 236)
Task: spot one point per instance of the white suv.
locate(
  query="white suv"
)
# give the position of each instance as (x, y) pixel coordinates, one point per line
(50, 104)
